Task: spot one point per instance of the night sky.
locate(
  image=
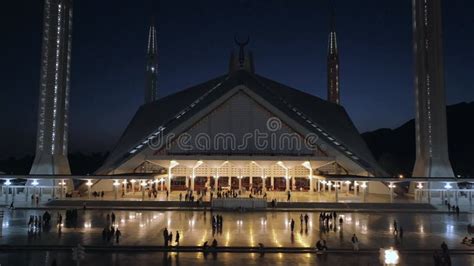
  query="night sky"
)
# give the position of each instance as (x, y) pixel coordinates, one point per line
(288, 38)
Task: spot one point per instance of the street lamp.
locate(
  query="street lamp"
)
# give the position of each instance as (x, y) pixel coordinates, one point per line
(7, 182)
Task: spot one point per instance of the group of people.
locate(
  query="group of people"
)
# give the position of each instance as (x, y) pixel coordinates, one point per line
(109, 233)
(325, 218)
(453, 209)
(168, 237)
(189, 196)
(110, 230)
(35, 223)
(98, 194)
(38, 223)
(305, 219)
(216, 223)
(35, 199)
(468, 241)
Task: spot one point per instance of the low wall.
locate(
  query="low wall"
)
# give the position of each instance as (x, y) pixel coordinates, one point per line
(236, 203)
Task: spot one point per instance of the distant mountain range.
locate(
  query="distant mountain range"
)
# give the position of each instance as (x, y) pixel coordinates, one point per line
(394, 149)
(81, 164)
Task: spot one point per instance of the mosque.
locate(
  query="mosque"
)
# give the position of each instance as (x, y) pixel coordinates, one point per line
(241, 131)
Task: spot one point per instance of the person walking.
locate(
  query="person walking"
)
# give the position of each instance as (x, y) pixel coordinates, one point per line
(355, 243)
(401, 233)
(289, 196)
(170, 238)
(177, 237)
(292, 225)
(306, 218)
(118, 234)
(395, 228)
(113, 217)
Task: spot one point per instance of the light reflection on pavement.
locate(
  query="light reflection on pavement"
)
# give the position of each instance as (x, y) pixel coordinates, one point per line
(421, 231)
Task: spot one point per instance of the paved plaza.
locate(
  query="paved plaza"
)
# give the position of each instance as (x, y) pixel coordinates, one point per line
(421, 231)
(198, 259)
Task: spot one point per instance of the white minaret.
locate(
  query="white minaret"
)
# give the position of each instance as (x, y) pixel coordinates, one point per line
(432, 158)
(52, 134)
(151, 82)
(333, 63)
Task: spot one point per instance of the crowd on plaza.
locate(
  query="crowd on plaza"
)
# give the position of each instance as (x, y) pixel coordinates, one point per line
(110, 230)
(453, 208)
(99, 194)
(168, 237)
(216, 223)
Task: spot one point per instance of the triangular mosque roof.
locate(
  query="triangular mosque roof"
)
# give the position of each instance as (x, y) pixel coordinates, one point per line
(328, 120)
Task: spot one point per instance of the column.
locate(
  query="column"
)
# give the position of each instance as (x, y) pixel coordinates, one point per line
(364, 190)
(186, 182)
(54, 189)
(13, 193)
(216, 183)
(355, 188)
(470, 197)
(293, 183)
(142, 185)
(6, 195)
(429, 191)
(272, 182)
(336, 189)
(26, 194)
(168, 181)
(61, 195)
(287, 180)
(192, 182)
(456, 192)
(391, 191)
(250, 180)
(229, 179)
(311, 183)
(264, 183)
(240, 183)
